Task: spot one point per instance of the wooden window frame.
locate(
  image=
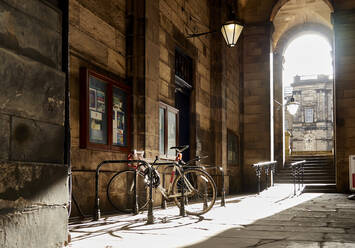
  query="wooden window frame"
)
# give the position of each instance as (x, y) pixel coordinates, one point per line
(85, 74)
(169, 108)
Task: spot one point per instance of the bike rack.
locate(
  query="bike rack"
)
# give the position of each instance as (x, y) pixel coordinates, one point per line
(97, 212)
(223, 191)
(270, 165)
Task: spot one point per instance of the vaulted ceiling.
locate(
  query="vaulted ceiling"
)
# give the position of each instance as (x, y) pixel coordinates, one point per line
(285, 14)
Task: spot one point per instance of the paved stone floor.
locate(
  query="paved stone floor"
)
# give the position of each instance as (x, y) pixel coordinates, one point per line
(275, 218)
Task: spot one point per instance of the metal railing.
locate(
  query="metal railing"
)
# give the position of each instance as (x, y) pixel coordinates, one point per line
(298, 174)
(267, 166)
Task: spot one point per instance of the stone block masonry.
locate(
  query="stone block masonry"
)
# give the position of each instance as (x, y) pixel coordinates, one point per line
(33, 178)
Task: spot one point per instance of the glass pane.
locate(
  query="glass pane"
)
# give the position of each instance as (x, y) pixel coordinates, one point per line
(119, 117)
(171, 132)
(97, 111)
(308, 115)
(161, 131)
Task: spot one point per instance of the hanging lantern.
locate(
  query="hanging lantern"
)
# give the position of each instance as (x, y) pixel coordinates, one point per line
(292, 106)
(231, 31)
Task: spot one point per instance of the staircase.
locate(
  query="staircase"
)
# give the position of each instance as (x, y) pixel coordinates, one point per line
(319, 173)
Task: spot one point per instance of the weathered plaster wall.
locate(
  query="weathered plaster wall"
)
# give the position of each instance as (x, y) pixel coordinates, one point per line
(33, 178)
(97, 41)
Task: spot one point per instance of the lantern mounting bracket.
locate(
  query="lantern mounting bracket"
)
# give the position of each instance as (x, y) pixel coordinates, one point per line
(200, 34)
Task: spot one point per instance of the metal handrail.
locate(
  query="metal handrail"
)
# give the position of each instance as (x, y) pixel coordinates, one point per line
(298, 174)
(268, 165)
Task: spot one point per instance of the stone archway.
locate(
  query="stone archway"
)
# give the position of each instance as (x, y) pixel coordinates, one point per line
(278, 5)
(291, 19)
(283, 42)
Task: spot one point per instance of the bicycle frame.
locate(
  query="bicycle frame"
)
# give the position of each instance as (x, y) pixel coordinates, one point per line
(167, 193)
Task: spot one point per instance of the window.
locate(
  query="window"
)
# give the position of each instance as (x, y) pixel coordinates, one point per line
(308, 115)
(233, 148)
(183, 67)
(168, 130)
(105, 112)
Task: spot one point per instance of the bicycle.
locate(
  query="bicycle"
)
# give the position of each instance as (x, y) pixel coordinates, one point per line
(199, 189)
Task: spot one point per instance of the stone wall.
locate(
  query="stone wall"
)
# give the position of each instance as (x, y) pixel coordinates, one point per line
(33, 178)
(177, 19)
(317, 135)
(344, 26)
(256, 87)
(97, 41)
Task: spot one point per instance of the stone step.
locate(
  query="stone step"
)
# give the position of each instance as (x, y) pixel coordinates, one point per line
(318, 181)
(321, 188)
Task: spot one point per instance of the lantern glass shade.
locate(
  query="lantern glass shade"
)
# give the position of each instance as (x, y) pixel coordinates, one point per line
(292, 107)
(231, 31)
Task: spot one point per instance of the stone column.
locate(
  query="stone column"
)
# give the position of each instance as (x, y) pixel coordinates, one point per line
(279, 150)
(344, 29)
(152, 53)
(256, 63)
(135, 44)
(33, 178)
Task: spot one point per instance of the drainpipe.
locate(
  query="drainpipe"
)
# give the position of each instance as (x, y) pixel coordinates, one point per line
(64, 6)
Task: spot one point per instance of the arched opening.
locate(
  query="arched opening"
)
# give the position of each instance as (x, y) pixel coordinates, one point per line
(300, 28)
(308, 78)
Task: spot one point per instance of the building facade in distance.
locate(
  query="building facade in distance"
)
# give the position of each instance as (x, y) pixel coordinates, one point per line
(311, 128)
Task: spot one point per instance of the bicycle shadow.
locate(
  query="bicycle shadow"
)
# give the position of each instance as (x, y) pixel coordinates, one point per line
(113, 225)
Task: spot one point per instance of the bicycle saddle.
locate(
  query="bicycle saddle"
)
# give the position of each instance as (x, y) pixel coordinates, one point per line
(180, 148)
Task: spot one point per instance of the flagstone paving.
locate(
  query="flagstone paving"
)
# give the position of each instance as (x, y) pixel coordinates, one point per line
(275, 218)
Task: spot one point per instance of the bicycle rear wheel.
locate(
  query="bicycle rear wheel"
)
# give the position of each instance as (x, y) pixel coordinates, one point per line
(120, 191)
(200, 191)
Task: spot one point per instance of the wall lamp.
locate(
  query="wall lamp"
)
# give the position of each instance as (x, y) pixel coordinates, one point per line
(231, 31)
(291, 105)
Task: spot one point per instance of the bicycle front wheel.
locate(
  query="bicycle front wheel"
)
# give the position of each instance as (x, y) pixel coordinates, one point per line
(121, 194)
(199, 193)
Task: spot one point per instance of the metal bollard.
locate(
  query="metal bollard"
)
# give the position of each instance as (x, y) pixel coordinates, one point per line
(136, 207)
(223, 193)
(163, 200)
(267, 175)
(150, 217)
(97, 213)
(258, 175)
(182, 200)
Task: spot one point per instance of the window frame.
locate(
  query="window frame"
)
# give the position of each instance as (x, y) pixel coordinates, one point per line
(175, 111)
(305, 114)
(85, 142)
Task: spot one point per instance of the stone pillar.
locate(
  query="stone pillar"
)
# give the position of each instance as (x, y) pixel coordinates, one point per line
(344, 29)
(152, 78)
(33, 182)
(135, 44)
(218, 90)
(279, 136)
(256, 63)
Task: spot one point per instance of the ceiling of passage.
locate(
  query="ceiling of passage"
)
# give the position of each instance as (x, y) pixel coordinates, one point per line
(298, 12)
